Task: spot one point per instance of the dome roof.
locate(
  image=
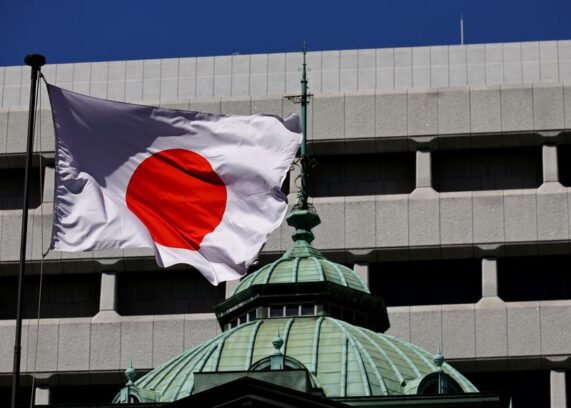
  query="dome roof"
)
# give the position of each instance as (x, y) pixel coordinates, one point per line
(346, 360)
(303, 263)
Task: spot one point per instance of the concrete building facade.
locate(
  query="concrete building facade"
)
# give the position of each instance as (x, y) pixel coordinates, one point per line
(443, 180)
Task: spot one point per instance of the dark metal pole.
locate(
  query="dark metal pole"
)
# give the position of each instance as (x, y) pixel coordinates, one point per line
(35, 61)
(304, 169)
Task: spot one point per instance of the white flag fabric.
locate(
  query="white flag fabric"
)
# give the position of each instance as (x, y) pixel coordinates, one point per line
(200, 189)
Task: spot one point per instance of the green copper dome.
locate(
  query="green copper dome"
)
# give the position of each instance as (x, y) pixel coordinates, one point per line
(303, 264)
(345, 360)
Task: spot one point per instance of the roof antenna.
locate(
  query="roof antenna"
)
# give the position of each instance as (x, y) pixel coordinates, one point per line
(461, 28)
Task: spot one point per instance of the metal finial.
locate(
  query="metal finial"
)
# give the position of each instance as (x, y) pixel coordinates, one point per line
(438, 360)
(303, 194)
(130, 373)
(278, 342)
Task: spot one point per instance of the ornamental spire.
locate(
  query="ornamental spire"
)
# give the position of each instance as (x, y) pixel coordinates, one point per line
(303, 216)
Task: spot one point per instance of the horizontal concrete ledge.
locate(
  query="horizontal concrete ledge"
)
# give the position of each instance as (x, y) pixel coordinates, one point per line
(420, 114)
(490, 329)
(456, 224)
(106, 342)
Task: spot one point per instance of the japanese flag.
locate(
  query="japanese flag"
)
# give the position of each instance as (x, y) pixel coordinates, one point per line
(198, 188)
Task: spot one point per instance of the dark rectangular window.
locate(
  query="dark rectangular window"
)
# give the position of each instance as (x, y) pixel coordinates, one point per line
(487, 169)
(363, 174)
(12, 188)
(534, 278)
(73, 295)
(166, 292)
(292, 310)
(276, 311)
(564, 162)
(525, 388)
(84, 394)
(430, 282)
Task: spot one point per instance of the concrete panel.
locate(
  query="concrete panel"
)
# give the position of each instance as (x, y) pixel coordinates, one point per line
(168, 90)
(199, 328)
(485, 109)
(458, 331)
(422, 112)
(548, 106)
(524, 331)
(64, 75)
(400, 322)
(385, 76)
(456, 218)
(73, 345)
(259, 74)
(551, 209)
(567, 103)
(240, 75)
(439, 76)
(267, 105)
(42, 345)
(403, 67)
(82, 72)
(366, 75)
(555, 327)
(294, 61)
(11, 227)
(392, 220)
(236, 106)
(520, 211)
(426, 327)
(391, 114)
(168, 338)
(314, 75)
(516, 108)
(7, 330)
(330, 233)
(491, 328)
(205, 105)
(137, 341)
(348, 75)
(3, 131)
(276, 74)
(564, 58)
(134, 90)
(330, 71)
(186, 78)
(328, 117)
(548, 61)
(424, 217)
(17, 131)
(105, 336)
(453, 111)
(205, 77)
(11, 96)
(359, 230)
(421, 77)
(359, 116)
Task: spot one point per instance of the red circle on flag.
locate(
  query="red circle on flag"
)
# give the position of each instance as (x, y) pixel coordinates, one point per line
(178, 196)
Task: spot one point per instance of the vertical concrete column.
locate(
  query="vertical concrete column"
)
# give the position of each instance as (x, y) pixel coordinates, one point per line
(489, 277)
(108, 297)
(423, 168)
(293, 181)
(42, 396)
(550, 166)
(362, 270)
(558, 389)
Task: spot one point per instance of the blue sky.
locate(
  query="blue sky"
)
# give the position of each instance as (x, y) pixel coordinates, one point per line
(96, 30)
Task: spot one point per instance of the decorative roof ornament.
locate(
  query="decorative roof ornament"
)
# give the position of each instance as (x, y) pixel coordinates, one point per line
(438, 360)
(130, 373)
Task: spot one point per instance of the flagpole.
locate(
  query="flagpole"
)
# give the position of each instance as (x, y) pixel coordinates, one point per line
(303, 194)
(35, 61)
